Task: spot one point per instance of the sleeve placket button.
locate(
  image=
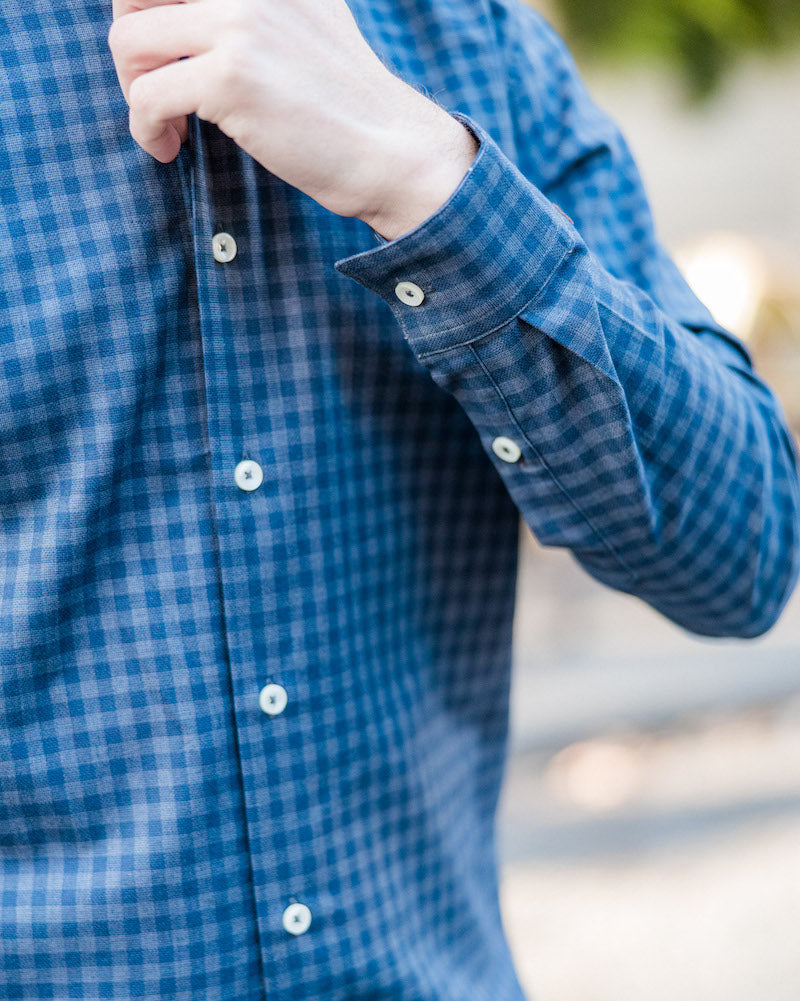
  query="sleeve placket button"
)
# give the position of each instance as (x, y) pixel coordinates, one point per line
(506, 449)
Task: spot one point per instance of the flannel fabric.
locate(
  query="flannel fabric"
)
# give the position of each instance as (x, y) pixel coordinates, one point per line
(160, 835)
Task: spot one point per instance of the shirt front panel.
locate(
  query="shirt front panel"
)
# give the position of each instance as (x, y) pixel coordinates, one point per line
(155, 822)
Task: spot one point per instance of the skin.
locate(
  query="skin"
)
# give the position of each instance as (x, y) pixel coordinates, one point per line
(295, 84)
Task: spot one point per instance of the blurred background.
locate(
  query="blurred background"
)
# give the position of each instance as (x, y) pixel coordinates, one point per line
(650, 819)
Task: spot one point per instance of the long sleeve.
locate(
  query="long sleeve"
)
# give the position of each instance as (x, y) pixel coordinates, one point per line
(627, 425)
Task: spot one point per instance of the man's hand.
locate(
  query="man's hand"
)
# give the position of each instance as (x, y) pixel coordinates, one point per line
(296, 85)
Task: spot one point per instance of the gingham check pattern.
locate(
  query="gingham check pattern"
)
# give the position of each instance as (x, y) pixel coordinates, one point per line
(154, 822)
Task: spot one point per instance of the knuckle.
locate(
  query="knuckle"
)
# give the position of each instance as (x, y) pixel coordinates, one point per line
(231, 56)
(140, 97)
(237, 15)
(120, 37)
(138, 133)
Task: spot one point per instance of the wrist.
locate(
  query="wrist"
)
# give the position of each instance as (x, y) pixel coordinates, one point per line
(427, 163)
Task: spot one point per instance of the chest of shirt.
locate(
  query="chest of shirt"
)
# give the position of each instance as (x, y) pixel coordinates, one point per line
(108, 253)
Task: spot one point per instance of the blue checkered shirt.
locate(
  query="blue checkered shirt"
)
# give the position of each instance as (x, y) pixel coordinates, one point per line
(260, 515)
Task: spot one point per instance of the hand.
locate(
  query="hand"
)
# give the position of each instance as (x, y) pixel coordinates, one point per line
(295, 84)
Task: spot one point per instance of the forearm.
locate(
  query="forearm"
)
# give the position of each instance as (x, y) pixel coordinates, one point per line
(430, 159)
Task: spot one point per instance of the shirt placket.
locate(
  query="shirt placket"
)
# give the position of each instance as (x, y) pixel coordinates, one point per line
(246, 497)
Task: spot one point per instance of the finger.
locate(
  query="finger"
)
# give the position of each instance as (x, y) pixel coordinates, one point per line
(162, 141)
(159, 102)
(165, 144)
(147, 39)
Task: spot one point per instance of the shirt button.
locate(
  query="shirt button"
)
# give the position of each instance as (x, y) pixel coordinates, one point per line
(409, 293)
(224, 247)
(273, 699)
(296, 919)
(506, 449)
(248, 475)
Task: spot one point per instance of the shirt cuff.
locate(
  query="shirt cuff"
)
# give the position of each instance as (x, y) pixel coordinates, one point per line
(478, 261)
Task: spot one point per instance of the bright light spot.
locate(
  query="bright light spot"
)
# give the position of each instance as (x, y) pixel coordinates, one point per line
(728, 274)
(595, 774)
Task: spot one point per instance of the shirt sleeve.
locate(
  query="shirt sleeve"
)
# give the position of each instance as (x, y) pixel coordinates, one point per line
(627, 424)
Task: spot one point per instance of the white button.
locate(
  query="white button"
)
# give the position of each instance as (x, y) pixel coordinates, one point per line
(248, 475)
(273, 699)
(506, 449)
(296, 919)
(224, 247)
(409, 293)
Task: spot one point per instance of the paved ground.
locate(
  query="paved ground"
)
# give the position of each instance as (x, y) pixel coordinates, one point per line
(719, 921)
(650, 819)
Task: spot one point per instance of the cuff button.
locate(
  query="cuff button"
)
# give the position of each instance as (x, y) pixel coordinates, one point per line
(506, 449)
(409, 293)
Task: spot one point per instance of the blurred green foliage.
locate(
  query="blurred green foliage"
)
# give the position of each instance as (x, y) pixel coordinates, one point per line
(702, 38)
